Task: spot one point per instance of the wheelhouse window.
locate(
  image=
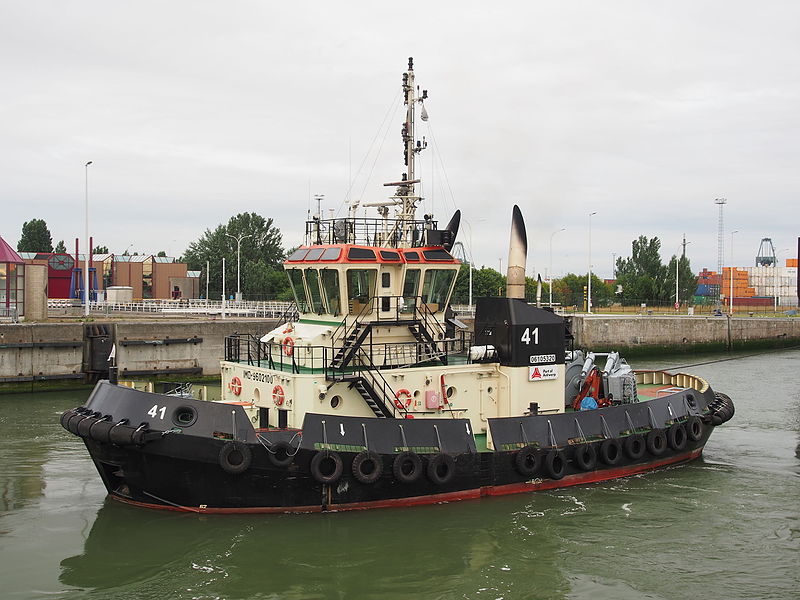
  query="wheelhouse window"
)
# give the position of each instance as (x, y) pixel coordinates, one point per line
(360, 289)
(410, 290)
(330, 286)
(312, 279)
(298, 289)
(436, 288)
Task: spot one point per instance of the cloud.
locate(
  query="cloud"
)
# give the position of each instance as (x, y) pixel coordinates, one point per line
(193, 112)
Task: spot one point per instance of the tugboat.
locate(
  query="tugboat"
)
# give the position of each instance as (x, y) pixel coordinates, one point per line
(370, 393)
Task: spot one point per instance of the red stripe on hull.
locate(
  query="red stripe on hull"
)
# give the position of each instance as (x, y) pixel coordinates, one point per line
(533, 485)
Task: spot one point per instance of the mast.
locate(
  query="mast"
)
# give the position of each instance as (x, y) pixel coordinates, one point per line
(405, 197)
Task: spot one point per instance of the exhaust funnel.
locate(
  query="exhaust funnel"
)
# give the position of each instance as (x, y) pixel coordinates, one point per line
(517, 253)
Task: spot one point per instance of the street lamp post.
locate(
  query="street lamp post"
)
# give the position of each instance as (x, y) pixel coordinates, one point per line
(469, 262)
(550, 268)
(238, 261)
(678, 257)
(223, 287)
(589, 298)
(88, 249)
(730, 298)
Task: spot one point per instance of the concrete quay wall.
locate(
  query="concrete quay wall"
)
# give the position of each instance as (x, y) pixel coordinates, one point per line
(647, 333)
(40, 352)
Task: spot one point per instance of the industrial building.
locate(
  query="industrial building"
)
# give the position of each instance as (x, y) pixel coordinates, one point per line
(147, 276)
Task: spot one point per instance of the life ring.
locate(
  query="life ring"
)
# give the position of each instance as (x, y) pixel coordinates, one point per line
(367, 466)
(634, 446)
(235, 457)
(554, 464)
(288, 346)
(235, 385)
(277, 395)
(326, 466)
(527, 460)
(656, 442)
(441, 468)
(402, 405)
(586, 456)
(694, 428)
(280, 455)
(676, 437)
(407, 467)
(610, 451)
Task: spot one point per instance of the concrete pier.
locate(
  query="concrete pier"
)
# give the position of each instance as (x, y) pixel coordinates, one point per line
(653, 334)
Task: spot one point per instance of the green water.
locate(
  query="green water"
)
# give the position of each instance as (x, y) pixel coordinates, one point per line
(726, 526)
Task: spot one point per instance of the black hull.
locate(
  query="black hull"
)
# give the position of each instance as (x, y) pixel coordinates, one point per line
(165, 483)
(194, 472)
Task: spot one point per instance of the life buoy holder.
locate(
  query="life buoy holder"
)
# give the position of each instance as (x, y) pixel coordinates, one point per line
(278, 396)
(399, 402)
(235, 385)
(288, 346)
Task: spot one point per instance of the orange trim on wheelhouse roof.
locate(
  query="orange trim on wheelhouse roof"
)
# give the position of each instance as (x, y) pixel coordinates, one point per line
(349, 254)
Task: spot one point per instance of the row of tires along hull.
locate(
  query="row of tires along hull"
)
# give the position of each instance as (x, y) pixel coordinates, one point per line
(367, 467)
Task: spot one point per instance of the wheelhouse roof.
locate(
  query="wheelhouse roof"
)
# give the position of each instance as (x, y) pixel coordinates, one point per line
(354, 254)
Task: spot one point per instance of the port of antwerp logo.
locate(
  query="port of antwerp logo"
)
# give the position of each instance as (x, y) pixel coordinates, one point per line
(542, 373)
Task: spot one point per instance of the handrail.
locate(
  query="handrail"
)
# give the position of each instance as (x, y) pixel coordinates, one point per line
(367, 231)
(375, 375)
(291, 314)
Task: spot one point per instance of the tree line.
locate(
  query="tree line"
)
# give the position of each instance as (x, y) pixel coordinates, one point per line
(640, 278)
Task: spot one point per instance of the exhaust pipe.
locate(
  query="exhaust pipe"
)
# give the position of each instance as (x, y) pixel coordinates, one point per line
(517, 253)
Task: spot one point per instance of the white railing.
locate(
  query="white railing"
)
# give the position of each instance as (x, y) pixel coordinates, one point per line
(9, 313)
(244, 308)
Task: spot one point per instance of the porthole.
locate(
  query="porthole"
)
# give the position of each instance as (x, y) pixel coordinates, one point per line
(489, 390)
(451, 391)
(336, 402)
(416, 393)
(184, 416)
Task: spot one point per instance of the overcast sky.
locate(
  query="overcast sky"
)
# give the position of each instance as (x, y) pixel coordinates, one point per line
(191, 112)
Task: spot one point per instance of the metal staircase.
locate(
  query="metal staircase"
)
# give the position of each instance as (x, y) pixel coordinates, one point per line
(350, 344)
(428, 348)
(370, 384)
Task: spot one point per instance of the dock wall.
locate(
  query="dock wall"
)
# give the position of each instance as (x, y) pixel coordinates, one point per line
(648, 334)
